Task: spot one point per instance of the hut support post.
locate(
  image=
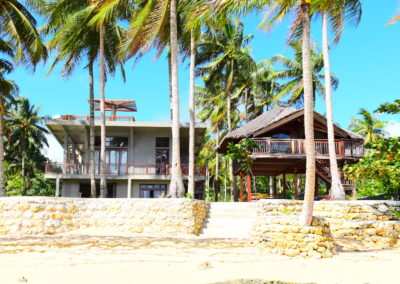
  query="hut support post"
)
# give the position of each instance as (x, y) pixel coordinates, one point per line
(284, 185)
(274, 188)
(316, 186)
(296, 185)
(271, 185)
(248, 188)
(241, 187)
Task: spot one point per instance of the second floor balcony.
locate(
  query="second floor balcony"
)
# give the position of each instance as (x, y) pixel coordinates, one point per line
(344, 147)
(118, 169)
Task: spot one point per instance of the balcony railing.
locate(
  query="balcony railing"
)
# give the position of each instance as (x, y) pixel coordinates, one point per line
(97, 117)
(344, 147)
(118, 169)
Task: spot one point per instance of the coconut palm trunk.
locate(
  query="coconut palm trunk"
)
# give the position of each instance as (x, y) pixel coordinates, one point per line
(91, 133)
(337, 191)
(103, 169)
(216, 180)
(191, 182)
(23, 191)
(308, 204)
(176, 188)
(230, 164)
(2, 185)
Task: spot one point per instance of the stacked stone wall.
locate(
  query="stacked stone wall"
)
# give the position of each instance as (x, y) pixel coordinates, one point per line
(47, 215)
(283, 235)
(373, 223)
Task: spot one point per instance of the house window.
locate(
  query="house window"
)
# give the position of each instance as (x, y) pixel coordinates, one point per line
(281, 135)
(152, 190)
(112, 142)
(116, 155)
(162, 155)
(162, 142)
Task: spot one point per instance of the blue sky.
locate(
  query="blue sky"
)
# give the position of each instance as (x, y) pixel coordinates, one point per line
(366, 61)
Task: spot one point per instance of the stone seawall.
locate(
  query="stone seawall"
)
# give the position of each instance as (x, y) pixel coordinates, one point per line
(373, 223)
(48, 215)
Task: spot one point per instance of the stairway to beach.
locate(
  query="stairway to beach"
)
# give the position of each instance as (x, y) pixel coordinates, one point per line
(231, 220)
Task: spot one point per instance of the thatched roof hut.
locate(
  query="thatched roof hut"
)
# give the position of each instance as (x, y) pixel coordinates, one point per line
(276, 118)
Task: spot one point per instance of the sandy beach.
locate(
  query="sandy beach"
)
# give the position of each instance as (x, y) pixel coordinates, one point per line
(74, 258)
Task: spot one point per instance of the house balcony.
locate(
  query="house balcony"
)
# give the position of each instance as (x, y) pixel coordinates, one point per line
(345, 148)
(119, 169)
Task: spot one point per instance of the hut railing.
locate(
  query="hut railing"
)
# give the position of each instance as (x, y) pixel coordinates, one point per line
(344, 147)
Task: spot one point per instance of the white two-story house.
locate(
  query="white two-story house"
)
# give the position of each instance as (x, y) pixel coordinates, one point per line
(138, 154)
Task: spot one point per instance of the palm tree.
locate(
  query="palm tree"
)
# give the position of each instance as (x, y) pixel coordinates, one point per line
(214, 110)
(368, 126)
(74, 39)
(8, 89)
(155, 24)
(20, 40)
(224, 56)
(302, 11)
(292, 75)
(337, 12)
(18, 27)
(27, 134)
(262, 92)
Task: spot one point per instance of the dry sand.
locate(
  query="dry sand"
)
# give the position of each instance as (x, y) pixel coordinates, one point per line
(86, 258)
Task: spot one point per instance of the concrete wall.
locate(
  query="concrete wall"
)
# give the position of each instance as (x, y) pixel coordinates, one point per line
(49, 215)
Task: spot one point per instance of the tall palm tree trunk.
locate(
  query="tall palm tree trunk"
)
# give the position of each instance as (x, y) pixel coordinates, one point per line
(23, 191)
(103, 181)
(2, 185)
(216, 180)
(230, 164)
(91, 131)
(308, 204)
(176, 188)
(337, 190)
(191, 182)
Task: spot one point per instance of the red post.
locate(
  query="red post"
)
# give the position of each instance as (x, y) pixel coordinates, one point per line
(241, 187)
(248, 188)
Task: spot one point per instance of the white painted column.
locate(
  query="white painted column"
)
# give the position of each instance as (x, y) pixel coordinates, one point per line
(57, 186)
(129, 190)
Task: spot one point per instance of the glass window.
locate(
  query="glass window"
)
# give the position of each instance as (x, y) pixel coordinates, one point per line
(152, 190)
(281, 135)
(113, 142)
(162, 142)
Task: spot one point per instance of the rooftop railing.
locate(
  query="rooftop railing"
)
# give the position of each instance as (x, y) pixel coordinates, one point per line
(118, 169)
(271, 146)
(97, 117)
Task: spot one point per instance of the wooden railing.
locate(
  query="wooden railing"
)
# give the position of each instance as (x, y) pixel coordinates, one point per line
(97, 117)
(118, 169)
(344, 147)
(347, 183)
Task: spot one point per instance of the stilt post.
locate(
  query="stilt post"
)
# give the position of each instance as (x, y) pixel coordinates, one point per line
(241, 187)
(248, 188)
(284, 185)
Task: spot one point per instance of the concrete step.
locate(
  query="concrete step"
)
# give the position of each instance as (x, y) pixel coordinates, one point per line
(229, 220)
